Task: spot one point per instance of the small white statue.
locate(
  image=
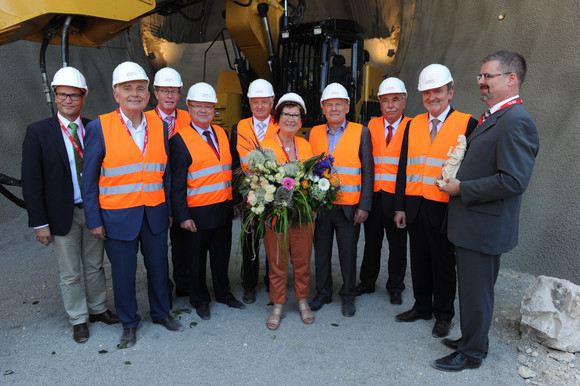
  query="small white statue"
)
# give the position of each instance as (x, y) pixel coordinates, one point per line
(452, 164)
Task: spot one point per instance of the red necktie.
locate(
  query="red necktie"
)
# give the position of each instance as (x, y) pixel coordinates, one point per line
(389, 135)
(170, 119)
(207, 135)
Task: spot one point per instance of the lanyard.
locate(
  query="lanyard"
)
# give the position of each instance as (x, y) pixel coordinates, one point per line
(507, 104)
(145, 141)
(75, 146)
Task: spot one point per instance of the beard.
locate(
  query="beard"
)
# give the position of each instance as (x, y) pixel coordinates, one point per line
(485, 94)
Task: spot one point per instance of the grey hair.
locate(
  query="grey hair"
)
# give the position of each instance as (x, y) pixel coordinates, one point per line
(509, 61)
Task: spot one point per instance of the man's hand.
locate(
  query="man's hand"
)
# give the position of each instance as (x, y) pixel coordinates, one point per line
(43, 235)
(451, 188)
(99, 232)
(360, 216)
(170, 221)
(189, 225)
(400, 220)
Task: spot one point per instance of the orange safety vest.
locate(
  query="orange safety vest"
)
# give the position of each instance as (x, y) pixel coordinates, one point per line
(346, 160)
(129, 179)
(209, 179)
(425, 159)
(247, 136)
(386, 158)
(183, 118)
(302, 145)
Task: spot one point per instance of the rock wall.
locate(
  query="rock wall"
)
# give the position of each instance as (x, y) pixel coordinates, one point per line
(455, 33)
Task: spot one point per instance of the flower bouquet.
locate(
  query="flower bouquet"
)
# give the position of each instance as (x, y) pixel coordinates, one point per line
(284, 195)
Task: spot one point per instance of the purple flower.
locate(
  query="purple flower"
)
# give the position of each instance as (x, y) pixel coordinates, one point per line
(288, 183)
(325, 164)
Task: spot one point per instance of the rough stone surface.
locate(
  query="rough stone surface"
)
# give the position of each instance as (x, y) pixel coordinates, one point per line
(551, 313)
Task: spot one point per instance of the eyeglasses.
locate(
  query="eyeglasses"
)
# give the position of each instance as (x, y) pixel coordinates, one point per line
(489, 76)
(61, 96)
(202, 107)
(169, 92)
(288, 116)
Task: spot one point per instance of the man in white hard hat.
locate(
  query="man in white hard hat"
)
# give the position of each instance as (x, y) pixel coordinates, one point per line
(167, 86)
(126, 186)
(485, 201)
(387, 136)
(422, 207)
(260, 126)
(52, 156)
(350, 145)
(201, 195)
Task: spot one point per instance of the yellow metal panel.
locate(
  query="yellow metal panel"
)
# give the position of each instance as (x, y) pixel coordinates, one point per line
(103, 19)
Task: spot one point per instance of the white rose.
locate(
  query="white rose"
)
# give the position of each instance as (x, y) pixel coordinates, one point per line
(269, 197)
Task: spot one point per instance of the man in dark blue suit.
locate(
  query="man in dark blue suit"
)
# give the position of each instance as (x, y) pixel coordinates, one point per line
(126, 187)
(51, 168)
(485, 201)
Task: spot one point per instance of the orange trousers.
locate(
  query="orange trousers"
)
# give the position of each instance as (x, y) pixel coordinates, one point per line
(299, 247)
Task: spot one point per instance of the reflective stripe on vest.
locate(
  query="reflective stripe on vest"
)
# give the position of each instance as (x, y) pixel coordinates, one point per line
(386, 158)
(129, 178)
(209, 179)
(247, 136)
(425, 159)
(346, 160)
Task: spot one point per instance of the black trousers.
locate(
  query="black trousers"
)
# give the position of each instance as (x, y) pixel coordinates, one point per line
(432, 267)
(178, 258)
(374, 227)
(346, 239)
(218, 243)
(477, 274)
(251, 259)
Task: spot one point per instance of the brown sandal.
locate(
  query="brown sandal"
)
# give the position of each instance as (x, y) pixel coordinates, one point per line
(305, 312)
(273, 321)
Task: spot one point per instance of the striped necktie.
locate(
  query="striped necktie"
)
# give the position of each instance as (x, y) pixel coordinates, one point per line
(170, 119)
(389, 135)
(261, 131)
(78, 160)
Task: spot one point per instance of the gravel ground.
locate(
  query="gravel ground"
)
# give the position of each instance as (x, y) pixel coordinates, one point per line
(235, 347)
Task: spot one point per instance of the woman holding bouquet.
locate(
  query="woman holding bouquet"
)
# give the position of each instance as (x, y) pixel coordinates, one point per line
(296, 242)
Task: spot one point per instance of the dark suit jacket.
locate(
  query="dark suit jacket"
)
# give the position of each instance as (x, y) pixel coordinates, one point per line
(47, 184)
(120, 224)
(410, 204)
(205, 217)
(494, 174)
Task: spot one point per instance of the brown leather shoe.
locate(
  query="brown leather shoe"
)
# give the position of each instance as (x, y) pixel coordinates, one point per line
(107, 317)
(81, 333)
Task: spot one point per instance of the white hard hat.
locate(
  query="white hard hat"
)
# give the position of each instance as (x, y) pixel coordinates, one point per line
(202, 92)
(292, 97)
(334, 90)
(392, 86)
(69, 76)
(167, 77)
(434, 76)
(128, 71)
(260, 88)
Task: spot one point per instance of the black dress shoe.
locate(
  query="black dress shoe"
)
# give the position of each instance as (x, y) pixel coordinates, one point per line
(249, 296)
(396, 298)
(412, 316)
(169, 323)
(453, 343)
(128, 338)
(455, 362)
(232, 302)
(362, 289)
(81, 333)
(318, 302)
(107, 317)
(203, 311)
(441, 329)
(348, 308)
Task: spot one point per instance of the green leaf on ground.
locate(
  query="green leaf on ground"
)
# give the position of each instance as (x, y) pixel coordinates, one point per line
(274, 337)
(127, 362)
(8, 372)
(35, 302)
(192, 324)
(52, 353)
(122, 345)
(334, 324)
(103, 351)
